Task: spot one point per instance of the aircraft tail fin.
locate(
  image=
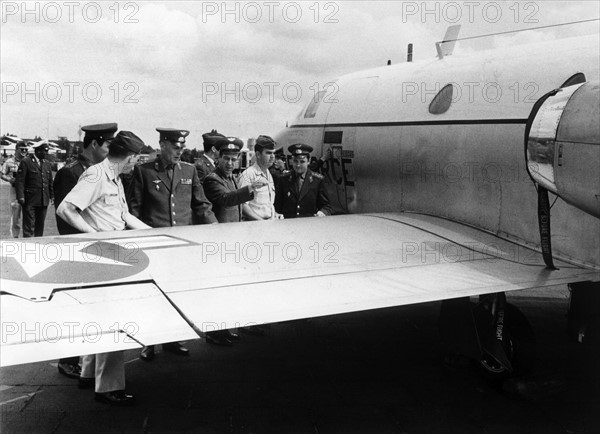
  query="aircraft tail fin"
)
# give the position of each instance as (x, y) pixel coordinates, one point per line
(446, 46)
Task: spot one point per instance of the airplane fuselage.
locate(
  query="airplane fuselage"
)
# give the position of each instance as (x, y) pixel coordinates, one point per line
(467, 163)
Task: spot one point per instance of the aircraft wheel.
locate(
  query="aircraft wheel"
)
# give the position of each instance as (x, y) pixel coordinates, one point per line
(518, 341)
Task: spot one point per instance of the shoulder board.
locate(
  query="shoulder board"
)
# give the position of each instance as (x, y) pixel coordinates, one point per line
(317, 175)
(185, 163)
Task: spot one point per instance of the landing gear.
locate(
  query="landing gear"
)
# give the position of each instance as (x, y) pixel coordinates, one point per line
(584, 313)
(492, 333)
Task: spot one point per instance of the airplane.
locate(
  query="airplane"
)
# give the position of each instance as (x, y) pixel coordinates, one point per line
(440, 173)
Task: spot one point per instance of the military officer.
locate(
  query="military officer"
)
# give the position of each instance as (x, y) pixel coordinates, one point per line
(96, 204)
(278, 169)
(95, 149)
(167, 192)
(34, 189)
(9, 174)
(206, 164)
(302, 193)
(222, 189)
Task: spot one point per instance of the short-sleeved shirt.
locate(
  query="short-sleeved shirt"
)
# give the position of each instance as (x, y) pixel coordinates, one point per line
(264, 197)
(10, 167)
(100, 197)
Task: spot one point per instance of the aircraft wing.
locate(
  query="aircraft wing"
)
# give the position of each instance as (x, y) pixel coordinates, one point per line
(92, 293)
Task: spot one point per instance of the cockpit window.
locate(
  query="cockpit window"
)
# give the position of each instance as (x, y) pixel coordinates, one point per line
(441, 102)
(311, 110)
(574, 79)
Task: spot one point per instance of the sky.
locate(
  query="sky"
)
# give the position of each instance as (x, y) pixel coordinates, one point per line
(243, 68)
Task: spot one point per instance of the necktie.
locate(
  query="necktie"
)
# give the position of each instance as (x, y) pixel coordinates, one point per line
(300, 182)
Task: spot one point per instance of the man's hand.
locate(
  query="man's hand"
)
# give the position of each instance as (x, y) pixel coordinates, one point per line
(256, 185)
(21, 201)
(320, 214)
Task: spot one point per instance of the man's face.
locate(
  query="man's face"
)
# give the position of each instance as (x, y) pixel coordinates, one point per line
(265, 158)
(171, 151)
(227, 163)
(41, 152)
(22, 152)
(99, 150)
(300, 164)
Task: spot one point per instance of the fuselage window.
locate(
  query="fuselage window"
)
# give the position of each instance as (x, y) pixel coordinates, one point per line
(441, 102)
(574, 79)
(311, 110)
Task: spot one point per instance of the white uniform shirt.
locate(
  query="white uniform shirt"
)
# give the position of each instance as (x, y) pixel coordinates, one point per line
(10, 168)
(264, 197)
(100, 197)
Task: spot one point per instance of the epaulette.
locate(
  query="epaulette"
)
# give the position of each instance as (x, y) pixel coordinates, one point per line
(317, 175)
(185, 163)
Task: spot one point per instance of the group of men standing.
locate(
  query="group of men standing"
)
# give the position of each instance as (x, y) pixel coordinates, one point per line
(89, 197)
(32, 192)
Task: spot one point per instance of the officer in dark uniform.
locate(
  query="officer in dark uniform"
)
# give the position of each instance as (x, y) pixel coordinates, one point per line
(221, 186)
(206, 164)
(95, 149)
(34, 189)
(301, 193)
(222, 189)
(167, 192)
(279, 168)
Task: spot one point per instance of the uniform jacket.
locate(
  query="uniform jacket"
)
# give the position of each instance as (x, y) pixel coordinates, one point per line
(64, 181)
(204, 168)
(226, 199)
(34, 182)
(160, 202)
(304, 203)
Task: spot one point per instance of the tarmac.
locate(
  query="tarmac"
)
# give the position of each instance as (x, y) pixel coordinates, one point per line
(380, 371)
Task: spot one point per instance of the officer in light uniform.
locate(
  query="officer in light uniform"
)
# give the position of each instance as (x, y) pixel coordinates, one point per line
(95, 149)
(97, 203)
(302, 193)
(167, 192)
(261, 206)
(9, 174)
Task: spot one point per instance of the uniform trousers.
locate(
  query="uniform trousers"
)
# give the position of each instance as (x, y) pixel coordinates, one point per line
(15, 214)
(107, 368)
(33, 220)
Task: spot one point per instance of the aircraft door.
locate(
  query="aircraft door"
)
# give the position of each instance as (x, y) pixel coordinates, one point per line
(338, 169)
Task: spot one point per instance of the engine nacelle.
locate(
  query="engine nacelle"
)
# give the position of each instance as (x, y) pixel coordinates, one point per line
(563, 145)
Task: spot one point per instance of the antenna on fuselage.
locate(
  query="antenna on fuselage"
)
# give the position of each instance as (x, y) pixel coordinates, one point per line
(410, 51)
(446, 47)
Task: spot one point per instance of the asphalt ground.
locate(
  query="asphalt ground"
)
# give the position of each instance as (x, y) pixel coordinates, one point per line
(379, 371)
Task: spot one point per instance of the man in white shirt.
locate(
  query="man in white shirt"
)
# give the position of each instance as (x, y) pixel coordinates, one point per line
(9, 174)
(261, 206)
(97, 203)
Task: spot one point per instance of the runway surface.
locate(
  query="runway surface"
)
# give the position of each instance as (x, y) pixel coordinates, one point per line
(371, 372)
